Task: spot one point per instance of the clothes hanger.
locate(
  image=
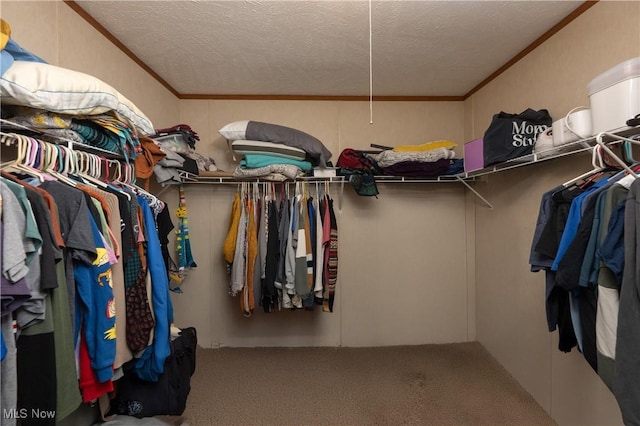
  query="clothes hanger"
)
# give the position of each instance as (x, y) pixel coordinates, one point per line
(23, 145)
(627, 151)
(117, 169)
(40, 159)
(81, 169)
(130, 182)
(118, 182)
(598, 165)
(55, 151)
(32, 146)
(622, 163)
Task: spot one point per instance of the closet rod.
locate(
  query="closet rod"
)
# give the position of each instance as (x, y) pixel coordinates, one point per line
(9, 125)
(72, 161)
(189, 178)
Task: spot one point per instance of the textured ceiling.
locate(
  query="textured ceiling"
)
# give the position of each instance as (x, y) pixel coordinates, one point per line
(321, 48)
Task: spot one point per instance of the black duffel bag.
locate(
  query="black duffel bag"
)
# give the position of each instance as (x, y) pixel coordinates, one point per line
(167, 396)
(513, 135)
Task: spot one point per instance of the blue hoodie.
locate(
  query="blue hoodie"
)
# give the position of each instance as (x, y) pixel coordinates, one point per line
(150, 365)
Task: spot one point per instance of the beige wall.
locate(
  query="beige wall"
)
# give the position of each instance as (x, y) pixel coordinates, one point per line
(402, 262)
(421, 264)
(510, 300)
(53, 31)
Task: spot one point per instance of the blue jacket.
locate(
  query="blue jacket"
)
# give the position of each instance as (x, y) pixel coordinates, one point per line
(150, 365)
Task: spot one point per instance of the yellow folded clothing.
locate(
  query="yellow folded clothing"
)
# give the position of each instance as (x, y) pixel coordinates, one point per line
(5, 33)
(426, 146)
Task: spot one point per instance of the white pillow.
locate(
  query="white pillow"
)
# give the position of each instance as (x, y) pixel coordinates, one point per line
(65, 91)
(234, 131)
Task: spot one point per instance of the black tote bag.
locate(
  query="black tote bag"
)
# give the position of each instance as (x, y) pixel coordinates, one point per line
(168, 396)
(513, 135)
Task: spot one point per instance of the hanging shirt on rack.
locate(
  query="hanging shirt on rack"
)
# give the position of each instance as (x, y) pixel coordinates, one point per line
(150, 365)
(96, 308)
(627, 363)
(67, 392)
(284, 291)
(229, 247)
(238, 275)
(13, 284)
(269, 299)
(609, 284)
(247, 301)
(318, 254)
(331, 259)
(554, 208)
(74, 228)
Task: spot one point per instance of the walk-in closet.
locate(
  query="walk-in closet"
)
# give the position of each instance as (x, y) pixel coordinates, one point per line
(429, 309)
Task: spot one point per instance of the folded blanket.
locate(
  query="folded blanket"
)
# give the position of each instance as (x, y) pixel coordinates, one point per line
(289, 170)
(262, 160)
(418, 169)
(426, 146)
(388, 158)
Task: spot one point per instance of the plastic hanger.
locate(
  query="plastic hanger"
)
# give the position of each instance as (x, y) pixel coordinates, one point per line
(53, 152)
(598, 165)
(23, 145)
(622, 163)
(116, 178)
(129, 182)
(81, 170)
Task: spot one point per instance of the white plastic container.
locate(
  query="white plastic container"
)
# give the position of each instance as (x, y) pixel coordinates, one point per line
(614, 96)
(573, 126)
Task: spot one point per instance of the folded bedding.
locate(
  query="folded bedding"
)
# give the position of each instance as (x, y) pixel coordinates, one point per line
(389, 157)
(266, 132)
(418, 169)
(260, 160)
(426, 146)
(245, 147)
(289, 170)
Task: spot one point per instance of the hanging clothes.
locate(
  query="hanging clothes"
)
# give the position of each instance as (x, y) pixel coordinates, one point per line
(331, 256)
(593, 257)
(270, 300)
(64, 282)
(284, 253)
(246, 299)
(626, 378)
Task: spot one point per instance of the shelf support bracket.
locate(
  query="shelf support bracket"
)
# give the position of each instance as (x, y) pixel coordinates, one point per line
(341, 195)
(476, 193)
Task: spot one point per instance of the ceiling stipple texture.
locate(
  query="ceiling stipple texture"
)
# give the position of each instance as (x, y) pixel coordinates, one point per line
(321, 48)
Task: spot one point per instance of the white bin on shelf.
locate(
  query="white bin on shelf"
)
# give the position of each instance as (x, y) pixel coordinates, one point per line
(615, 96)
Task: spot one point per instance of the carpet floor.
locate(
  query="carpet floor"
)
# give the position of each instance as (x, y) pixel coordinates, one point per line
(449, 384)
